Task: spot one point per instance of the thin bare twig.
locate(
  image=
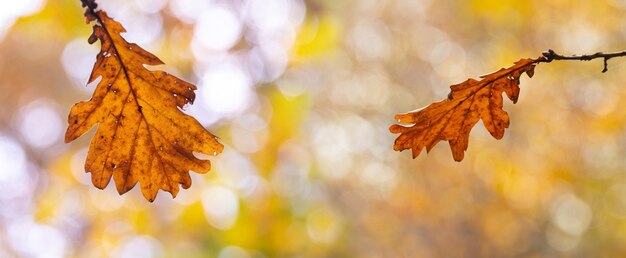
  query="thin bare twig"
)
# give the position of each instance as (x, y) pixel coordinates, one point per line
(550, 55)
(91, 6)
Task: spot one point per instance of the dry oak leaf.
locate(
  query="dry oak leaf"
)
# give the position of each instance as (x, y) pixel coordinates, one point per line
(452, 119)
(143, 136)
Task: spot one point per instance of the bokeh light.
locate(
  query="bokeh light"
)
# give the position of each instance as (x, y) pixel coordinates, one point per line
(77, 59)
(226, 89)
(39, 123)
(218, 28)
(221, 207)
(11, 10)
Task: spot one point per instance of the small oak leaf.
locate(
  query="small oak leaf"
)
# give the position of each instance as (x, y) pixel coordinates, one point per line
(453, 118)
(143, 136)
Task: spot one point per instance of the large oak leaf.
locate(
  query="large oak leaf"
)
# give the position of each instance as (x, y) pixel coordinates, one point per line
(453, 118)
(142, 135)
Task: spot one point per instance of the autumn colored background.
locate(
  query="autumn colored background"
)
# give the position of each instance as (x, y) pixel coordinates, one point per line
(302, 94)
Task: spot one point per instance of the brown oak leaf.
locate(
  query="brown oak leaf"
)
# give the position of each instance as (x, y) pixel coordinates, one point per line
(453, 118)
(143, 136)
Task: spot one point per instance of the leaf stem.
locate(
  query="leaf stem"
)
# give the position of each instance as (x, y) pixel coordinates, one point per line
(550, 55)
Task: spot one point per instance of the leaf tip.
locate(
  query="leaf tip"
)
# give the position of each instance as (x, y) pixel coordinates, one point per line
(458, 155)
(405, 118)
(92, 39)
(174, 193)
(151, 197)
(530, 72)
(395, 128)
(415, 151)
(70, 134)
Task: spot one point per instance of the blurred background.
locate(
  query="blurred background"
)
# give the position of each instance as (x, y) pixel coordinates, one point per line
(302, 93)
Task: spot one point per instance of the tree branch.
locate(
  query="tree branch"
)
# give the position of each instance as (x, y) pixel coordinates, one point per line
(550, 55)
(91, 7)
